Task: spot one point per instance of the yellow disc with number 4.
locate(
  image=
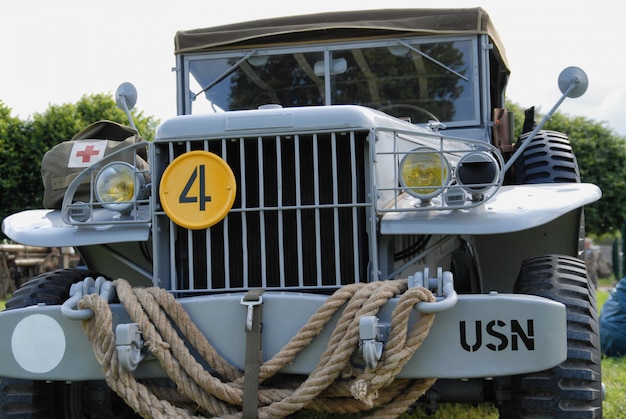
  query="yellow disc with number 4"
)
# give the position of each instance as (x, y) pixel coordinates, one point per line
(197, 190)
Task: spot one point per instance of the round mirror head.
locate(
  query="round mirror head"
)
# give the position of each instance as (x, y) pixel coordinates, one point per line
(576, 76)
(126, 96)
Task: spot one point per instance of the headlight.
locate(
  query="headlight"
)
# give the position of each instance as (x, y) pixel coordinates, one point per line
(424, 172)
(117, 186)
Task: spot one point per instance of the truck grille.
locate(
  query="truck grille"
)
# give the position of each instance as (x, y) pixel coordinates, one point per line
(299, 220)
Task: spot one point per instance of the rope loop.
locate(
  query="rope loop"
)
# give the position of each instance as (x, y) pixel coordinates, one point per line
(334, 386)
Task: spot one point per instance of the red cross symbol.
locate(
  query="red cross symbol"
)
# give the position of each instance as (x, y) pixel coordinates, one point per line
(87, 153)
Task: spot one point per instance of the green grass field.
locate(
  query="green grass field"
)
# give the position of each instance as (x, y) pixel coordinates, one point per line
(613, 376)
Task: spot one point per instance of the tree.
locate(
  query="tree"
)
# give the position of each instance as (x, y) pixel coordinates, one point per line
(12, 137)
(601, 155)
(23, 144)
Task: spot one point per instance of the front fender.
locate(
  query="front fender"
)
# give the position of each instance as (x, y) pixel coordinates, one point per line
(46, 228)
(513, 208)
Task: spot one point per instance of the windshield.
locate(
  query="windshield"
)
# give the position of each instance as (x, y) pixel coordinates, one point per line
(417, 81)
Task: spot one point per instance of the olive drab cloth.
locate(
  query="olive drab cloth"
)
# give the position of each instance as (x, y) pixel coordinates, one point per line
(66, 160)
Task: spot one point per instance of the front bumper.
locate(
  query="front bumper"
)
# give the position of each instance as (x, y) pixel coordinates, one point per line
(481, 336)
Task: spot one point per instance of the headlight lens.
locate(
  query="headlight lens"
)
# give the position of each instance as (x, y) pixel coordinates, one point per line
(424, 172)
(117, 186)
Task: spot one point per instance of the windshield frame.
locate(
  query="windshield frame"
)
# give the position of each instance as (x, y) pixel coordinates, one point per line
(187, 90)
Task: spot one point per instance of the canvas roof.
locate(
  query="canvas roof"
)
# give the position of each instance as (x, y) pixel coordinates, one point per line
(339, 26)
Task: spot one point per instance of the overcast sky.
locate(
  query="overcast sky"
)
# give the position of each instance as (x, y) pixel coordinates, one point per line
(54, 52)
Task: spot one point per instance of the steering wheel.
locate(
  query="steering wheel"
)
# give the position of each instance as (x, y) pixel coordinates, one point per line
(413, 108)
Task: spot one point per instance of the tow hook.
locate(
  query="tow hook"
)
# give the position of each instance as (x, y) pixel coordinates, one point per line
(129, 346)
(372, 335)
(99, 286)
(128, 339)
(442, 286)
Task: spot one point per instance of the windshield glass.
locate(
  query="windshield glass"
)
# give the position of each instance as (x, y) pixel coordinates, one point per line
(414, 80)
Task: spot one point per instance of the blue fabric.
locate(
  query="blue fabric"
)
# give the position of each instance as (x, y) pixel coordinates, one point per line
(613, 322)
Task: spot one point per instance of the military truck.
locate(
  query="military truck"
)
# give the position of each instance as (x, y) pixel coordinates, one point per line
(349, 181)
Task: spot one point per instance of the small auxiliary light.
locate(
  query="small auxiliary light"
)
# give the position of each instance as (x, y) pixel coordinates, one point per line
(476, 172)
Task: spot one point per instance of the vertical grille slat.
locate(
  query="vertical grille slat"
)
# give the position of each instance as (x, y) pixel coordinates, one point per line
(337, 243)
(279, 187)
(298, 211)
(190, 255)
(354, 197)
(299, 220)
(174, 276)
(316, 201)
(226, 223)
(242, 186)
(261, 189)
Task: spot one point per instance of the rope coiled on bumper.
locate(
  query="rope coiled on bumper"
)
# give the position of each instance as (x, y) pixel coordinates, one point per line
(334, 386)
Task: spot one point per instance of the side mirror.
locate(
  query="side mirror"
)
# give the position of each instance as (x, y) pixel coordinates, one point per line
(573, 82)
(126, 98)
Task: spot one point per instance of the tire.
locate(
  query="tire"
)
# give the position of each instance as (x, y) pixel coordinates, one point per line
(548, 159)
(28, 399)
(572, 389)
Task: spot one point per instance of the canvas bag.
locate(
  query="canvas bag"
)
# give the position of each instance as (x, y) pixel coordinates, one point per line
(61, 164)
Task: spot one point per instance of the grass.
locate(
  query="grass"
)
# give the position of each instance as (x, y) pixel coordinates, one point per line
(459, 411)
(613, 376)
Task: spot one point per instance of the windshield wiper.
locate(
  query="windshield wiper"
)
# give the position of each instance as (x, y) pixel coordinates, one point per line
(439, 63)
(225, 74)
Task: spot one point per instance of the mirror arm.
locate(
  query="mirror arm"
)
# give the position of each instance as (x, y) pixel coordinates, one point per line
(572, 85)
(128, 115)
(126, 98)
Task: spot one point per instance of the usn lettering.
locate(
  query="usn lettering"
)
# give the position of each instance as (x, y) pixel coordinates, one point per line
(498, 335)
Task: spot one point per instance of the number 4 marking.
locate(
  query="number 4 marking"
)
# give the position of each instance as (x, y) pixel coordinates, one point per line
(184, 197)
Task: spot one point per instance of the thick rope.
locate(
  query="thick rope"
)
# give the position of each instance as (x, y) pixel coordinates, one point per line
(122, 382)
(214, 387)
(399, 348)
(340, 348)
